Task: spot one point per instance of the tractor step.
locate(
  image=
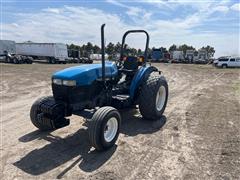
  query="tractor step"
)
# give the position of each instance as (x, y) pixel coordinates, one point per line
(121, 101)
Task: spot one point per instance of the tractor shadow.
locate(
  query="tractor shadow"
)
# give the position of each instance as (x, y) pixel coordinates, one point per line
(77, 149)
(133, 123)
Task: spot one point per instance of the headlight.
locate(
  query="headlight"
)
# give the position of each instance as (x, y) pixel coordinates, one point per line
(57, 81)
(69, 83)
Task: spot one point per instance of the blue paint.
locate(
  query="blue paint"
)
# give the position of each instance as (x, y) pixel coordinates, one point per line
(138, 78)
(86, 74)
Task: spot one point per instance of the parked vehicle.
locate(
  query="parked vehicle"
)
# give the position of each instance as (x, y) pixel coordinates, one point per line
(97, 57)
(225, 62)
(157, 55)
(8, 53)
(200, 61)
(189, 57)
(177, 56)
(7, 46)
(96, 91)
(52, 52)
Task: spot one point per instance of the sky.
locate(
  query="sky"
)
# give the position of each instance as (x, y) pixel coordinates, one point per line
(193, 22)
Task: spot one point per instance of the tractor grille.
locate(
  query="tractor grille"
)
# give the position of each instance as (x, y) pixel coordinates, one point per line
(61, 92)
(71, 95)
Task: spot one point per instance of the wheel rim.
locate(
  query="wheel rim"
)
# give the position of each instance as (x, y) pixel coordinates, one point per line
(161, 97)
(110, 129)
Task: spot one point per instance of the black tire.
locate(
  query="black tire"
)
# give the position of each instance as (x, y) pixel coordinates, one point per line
(49, 60)
(8, 60)
(35, 112)
(15, 61)
(29, 60)
(98, 125)
(53, 61)
(224, 66)
(148, 94)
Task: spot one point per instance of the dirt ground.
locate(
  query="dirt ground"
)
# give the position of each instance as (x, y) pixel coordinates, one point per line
(197, 138)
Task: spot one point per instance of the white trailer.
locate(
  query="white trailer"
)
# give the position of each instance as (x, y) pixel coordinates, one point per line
(53, 52)
(97, 56)
(177, 55)
(202, 57)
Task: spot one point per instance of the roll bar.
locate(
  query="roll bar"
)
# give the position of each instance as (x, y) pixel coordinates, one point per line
(135, 31)
(122, 48)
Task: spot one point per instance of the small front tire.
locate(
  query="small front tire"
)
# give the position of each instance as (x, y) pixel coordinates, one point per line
(104, 128)
(35, 114)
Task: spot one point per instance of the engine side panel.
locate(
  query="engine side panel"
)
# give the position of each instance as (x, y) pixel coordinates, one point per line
(86, 74)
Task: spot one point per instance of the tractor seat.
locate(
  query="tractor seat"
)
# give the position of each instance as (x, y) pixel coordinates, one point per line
(130, 65)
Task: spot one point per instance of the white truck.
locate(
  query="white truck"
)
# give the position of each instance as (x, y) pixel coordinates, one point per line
(52, 52)
(97, 56)
(177, 56)
(8, 53)
(225, 62)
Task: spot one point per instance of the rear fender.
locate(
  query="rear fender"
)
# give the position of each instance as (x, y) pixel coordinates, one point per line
(142, 73)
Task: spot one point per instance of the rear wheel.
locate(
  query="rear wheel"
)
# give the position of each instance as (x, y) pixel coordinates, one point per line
(8, 60)
(53, 61)
(153, 97)
(104, 128)
(30, 61)
(224, 66)
(15, 61)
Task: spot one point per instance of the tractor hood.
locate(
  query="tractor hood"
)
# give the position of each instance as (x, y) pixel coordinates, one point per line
(86, 74)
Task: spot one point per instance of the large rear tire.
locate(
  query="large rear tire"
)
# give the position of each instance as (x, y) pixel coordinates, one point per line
(153, 97)
(36, 115)
(104, 128)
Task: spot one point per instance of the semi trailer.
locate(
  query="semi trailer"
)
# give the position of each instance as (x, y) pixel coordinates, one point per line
(52, 52)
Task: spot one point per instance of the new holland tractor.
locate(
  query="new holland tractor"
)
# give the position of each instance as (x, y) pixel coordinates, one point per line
(97, 91)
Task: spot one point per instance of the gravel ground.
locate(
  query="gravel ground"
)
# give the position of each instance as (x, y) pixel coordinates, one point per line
(197, 138)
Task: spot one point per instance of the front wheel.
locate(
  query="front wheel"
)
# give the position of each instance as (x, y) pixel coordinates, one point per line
(37, 116)
(153, 97)
(104, 128)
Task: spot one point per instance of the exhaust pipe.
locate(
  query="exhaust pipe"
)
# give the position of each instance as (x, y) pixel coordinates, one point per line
(103, 53)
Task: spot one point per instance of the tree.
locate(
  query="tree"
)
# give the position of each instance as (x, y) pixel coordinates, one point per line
(163, 49)
(184, 48)
(96, 49)
(172, 48)
(117, 47)
(210, 50)
(110, 50)
(89, 48)
(133, 51)
(139, 52)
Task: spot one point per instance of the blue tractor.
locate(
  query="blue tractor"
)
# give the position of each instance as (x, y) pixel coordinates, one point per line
(96, 91)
